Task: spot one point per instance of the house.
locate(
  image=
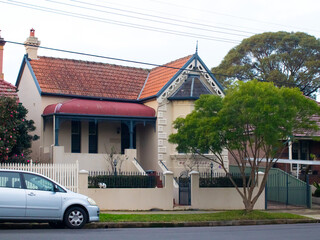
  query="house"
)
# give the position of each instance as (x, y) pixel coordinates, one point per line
(305, 147)
(85, 110)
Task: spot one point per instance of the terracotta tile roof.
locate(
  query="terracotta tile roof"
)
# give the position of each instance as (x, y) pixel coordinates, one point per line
(83, 78)
(159, 76)
(7, 89)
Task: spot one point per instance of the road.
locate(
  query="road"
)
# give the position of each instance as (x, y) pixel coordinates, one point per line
(261, 232)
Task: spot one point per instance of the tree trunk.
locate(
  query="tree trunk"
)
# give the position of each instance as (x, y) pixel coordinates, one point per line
(248, 205)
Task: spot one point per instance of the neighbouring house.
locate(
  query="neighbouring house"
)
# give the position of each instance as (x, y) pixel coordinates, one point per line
(305, 147)
(85, 110)
(6, 89)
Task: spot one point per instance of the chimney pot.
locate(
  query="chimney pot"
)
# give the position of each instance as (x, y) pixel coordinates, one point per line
(32, 32)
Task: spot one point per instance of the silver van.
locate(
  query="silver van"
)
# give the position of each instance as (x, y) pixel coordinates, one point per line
(28, 196)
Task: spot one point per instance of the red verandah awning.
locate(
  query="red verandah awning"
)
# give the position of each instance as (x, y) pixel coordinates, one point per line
(102, 108)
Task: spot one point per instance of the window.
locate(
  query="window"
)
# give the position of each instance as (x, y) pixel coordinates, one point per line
(34, 182)
(75, 137)
(93, 137)
(10, 180)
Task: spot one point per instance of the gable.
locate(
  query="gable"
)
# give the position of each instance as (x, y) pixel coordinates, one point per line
(206, 83)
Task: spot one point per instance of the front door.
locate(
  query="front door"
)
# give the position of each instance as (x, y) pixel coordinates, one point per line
(42, 200)
(125, 137)
(12, 196)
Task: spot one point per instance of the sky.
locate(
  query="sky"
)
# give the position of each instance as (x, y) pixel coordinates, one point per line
(150, 31)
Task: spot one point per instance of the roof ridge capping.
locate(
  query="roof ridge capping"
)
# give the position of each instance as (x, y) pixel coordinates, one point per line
(90, 62)
(174, 61)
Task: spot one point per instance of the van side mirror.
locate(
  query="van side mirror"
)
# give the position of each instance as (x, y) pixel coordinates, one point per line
(56, 189)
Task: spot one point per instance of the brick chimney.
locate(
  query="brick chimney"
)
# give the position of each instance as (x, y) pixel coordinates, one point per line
(2, 43)
(31, 44)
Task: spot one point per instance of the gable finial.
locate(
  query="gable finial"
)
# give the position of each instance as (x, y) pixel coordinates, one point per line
(197, 47)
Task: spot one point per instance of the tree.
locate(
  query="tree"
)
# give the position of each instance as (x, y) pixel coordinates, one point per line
(252, 122)
(15, 140)
(286, 59)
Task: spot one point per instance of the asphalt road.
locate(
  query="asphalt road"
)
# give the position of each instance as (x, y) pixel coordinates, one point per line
(261, 232)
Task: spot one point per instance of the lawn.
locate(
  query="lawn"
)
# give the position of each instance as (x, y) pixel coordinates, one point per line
(219, 216)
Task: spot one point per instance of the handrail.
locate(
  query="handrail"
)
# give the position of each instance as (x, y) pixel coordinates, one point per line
(163, 165)
(138, 166)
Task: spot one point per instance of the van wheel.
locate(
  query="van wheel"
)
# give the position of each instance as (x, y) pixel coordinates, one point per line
(75, 218)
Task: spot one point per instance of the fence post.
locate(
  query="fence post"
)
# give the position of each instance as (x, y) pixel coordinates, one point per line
(266, 196)
(31, 163)
(83, 181)
(77, 176)
(168, 179)
(193, 187)
(287, 186)
(309, 199)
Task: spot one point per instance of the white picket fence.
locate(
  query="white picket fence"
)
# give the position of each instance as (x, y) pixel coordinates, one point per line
(64, 173)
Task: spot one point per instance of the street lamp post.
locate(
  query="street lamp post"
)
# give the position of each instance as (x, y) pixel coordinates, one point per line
(211, 166)
(115, 167)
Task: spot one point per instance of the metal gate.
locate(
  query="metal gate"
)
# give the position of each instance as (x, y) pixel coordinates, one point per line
(184, 190)
(286, 189)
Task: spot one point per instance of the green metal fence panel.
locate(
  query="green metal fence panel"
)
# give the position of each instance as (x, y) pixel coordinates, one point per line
(284, 188)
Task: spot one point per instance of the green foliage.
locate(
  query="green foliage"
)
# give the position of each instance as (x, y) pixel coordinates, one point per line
(286, 59)
(8, 126)
(15, 140)
(121, 181)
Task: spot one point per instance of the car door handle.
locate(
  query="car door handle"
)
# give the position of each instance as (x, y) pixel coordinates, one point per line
(31, 194)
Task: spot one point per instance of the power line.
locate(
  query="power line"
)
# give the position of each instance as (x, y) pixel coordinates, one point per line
(160, 17)
(146, 19)
(166, 13)
(112, 58)
(233, 16)
(120, 23)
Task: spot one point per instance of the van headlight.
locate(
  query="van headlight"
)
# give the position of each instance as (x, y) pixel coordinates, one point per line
(91, 201)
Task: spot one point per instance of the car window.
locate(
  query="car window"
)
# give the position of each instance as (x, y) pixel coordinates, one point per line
(10, 180)
(35, 182)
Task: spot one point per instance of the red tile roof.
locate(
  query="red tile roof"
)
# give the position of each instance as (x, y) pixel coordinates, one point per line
(7, 89)
(159, 76)
(91, 79)
(83, 78)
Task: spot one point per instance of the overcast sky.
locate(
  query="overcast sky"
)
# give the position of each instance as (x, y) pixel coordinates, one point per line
(151, 31)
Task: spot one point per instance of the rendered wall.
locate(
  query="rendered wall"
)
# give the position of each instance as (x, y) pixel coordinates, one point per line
(220, 198)
(130, 198)
(148, 143)
(30, 97)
